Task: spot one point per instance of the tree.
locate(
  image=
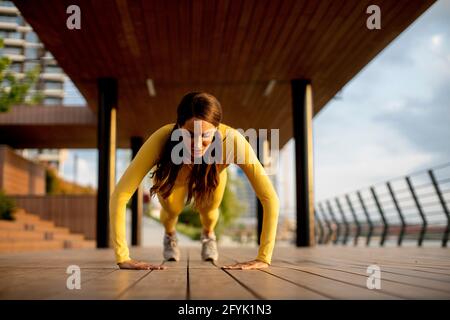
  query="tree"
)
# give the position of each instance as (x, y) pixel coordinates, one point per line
(14, 90)
(230, 209)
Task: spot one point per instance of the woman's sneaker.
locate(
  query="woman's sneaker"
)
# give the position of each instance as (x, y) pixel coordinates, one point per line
(171, 251)
(209, 247)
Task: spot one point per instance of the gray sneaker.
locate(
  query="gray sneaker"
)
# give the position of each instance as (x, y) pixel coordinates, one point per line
(171, 251)
(209, 248)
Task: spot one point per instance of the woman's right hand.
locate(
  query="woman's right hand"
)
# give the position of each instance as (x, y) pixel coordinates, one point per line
(139, 265)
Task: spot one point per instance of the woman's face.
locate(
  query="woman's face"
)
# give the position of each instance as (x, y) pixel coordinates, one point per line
(201, 135)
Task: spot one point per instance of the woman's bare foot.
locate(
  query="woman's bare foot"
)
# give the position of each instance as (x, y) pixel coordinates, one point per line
(139, 265)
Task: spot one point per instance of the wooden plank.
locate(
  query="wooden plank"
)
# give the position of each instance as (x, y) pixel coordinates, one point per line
(109, 286)
(40, 283)
(395, 269)
(326, 258)
(232, 48)
(439, 282)
(307, 273)
(165, 284)
(387, 286)
(373, 255)
(327, 287)
(267, 286)
(205, 279)
(400, 278)
(114, 284)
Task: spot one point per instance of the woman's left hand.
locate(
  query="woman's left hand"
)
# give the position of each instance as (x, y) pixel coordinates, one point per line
(253, 264)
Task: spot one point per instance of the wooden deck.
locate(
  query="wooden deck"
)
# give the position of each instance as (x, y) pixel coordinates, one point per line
(296, 273)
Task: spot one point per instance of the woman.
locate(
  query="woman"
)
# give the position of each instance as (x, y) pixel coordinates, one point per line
(192, 175)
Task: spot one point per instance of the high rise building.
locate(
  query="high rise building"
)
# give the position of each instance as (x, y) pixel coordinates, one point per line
(23, 47)
(25, 51)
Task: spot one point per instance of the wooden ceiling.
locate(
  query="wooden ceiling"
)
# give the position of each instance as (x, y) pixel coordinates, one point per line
(231, 49)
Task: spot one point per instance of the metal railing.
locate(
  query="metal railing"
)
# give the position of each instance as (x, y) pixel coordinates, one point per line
(414, 208)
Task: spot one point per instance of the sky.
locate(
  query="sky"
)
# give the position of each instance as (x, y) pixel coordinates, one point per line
(391, 119)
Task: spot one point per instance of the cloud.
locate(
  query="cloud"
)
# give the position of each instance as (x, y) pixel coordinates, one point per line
(86, 172)
(424, 123)
(393, 117)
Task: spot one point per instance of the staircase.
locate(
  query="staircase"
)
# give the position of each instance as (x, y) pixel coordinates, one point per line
(29, 233)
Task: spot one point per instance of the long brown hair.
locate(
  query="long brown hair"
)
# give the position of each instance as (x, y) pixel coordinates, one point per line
(204, 177)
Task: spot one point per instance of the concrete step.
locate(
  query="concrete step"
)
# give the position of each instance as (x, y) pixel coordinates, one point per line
(77, 244)
(21, 245)
(11, 225)
(11, 234)
(70, 236)
(55, 230)
(32, 219)
(6, 234)
(32, 226)
(29, 233)
(28, 246)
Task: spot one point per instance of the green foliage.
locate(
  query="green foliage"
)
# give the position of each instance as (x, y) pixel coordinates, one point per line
(7, 206)
(54, 184)
(50, 182)
(230, 209)
(188, 230)
(13, 90)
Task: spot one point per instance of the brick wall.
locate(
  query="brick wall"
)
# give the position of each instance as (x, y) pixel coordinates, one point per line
(19, 175)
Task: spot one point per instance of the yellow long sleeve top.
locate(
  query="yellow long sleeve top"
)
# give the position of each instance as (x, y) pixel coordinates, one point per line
(242, 154)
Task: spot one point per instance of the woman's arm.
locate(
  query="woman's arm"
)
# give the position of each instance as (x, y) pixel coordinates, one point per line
(264, 191)
(141, 164)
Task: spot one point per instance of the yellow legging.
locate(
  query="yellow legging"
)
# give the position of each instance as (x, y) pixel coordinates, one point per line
(172, 206)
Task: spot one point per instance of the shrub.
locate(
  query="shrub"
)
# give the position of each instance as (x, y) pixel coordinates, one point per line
(54, 184)
(7, 207)
(229, 210)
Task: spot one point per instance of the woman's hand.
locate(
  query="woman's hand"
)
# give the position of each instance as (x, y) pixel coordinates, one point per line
(139, 265)
(253, 264)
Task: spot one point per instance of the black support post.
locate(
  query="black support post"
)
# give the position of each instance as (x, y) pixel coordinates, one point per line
(444, 207)
(302, 114)
(423, 230)
(259, 207)
(383, 217)
(106, 145)
(136, 200)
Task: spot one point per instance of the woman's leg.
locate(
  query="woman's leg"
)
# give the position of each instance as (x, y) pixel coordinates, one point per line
(209, 215)
(171, 207)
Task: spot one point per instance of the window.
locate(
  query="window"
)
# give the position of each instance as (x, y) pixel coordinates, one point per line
(54, 85)
(16, 67)
(52, 101)
(53, 69)
(12, 50)
(7, 4)
(9, 19)
(31, 53)
(31, 37)
(30, 65)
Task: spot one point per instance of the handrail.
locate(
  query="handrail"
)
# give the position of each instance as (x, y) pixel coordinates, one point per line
(388, 212)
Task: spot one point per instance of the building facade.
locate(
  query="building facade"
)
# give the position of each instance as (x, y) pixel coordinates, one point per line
(23, 47)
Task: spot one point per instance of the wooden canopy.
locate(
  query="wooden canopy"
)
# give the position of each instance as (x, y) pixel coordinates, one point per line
(232, 49)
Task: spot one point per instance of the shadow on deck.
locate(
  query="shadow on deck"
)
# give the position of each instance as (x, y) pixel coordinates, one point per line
(324, 272)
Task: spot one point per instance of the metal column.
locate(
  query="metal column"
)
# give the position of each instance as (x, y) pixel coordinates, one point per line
(106, 145)
(136, 200)
(302, 114)
(259, 207)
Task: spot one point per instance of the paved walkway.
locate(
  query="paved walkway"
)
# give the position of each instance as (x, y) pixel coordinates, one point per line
(153, 232)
